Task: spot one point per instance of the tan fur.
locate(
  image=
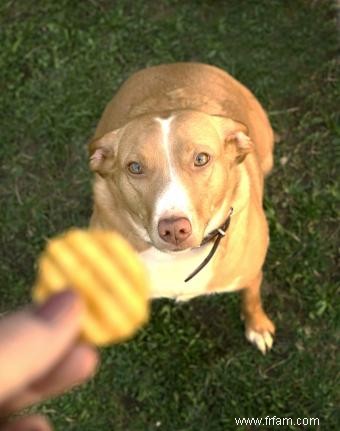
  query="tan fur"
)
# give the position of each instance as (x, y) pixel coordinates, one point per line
(209, 109)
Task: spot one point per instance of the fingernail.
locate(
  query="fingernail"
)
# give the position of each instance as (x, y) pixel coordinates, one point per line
(56, 305)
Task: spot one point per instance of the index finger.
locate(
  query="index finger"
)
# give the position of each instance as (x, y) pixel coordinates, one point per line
(32, 342)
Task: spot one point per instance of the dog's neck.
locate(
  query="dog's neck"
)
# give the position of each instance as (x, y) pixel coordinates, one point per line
(217, 235)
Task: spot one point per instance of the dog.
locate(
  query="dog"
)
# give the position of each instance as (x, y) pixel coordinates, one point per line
(180, 155)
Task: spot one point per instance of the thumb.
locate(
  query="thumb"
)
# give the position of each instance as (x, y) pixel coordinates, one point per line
(32, 341)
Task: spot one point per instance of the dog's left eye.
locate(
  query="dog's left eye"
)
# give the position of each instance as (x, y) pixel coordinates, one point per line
(201, 159)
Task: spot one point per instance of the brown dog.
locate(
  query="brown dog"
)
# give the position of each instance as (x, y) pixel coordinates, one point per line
(180, 155)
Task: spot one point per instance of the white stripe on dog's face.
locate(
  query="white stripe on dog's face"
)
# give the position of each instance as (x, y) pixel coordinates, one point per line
(174, 200)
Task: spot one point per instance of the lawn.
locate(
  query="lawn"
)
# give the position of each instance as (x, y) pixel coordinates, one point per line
(191, 368)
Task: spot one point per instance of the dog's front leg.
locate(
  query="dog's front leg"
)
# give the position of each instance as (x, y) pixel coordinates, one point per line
(259, 328)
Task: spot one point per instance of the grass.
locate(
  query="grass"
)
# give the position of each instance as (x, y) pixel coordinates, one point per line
(190, 369)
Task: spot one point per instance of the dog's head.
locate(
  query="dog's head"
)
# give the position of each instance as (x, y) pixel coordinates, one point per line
(173, 174)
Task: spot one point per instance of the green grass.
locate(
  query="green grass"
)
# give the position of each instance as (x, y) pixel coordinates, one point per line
(190, 369)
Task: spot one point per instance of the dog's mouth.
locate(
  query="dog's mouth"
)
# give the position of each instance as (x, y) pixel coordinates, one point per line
(166, 248)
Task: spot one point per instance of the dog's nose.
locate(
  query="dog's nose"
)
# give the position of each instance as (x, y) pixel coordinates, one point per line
(174, 230)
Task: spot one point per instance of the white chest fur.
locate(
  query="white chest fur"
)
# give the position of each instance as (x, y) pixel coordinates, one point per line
(169, 270)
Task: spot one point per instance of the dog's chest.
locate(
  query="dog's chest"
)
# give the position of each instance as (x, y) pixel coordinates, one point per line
(168, 271)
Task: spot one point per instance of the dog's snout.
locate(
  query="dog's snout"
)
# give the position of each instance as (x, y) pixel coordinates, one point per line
(174, 230)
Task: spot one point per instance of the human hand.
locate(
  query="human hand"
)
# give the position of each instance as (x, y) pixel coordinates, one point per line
(41, 357)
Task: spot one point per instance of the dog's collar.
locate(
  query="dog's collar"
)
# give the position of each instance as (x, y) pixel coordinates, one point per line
(218, 233)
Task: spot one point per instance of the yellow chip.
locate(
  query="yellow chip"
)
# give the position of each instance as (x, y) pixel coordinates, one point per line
(105, 270)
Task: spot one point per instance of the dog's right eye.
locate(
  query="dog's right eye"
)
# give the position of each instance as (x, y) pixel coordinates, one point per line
(201, 159)
(135, 168)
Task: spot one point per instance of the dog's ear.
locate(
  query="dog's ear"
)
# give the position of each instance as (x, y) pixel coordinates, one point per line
(237, 143)
(102, 152)
(240, 144)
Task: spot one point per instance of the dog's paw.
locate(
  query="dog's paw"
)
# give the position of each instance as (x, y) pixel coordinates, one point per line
(262, 340)
(260, 332)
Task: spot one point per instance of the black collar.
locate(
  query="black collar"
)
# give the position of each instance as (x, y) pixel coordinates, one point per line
(219, 233)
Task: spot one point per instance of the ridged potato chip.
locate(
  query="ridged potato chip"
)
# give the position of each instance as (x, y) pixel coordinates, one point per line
(105, 270)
